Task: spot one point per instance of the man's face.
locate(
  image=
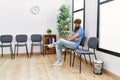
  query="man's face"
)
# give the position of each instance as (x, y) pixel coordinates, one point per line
(77, 25)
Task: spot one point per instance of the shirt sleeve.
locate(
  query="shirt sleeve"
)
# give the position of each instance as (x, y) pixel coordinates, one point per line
(80, 31)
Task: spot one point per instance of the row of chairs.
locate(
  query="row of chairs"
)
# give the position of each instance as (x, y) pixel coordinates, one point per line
(92, 43)
(21, 41)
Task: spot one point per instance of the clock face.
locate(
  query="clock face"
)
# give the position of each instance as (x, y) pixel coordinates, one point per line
(35, 10)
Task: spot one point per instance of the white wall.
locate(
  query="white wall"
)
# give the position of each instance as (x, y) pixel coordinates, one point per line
(16, 17)
(90, 18)
(111, 63)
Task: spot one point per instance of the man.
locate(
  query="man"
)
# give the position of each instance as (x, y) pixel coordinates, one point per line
(73, 41)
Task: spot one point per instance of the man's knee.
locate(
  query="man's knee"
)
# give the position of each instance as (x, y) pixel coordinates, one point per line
(61, 40)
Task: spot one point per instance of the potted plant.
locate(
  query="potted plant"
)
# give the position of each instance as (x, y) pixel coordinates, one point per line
(63, 22)
(49, 31)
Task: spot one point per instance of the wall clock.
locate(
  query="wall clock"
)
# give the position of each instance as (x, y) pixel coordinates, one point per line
(35, 10)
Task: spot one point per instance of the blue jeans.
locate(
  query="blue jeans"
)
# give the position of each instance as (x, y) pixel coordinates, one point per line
(62, 44)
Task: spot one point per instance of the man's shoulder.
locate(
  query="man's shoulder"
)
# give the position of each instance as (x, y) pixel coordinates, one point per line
(81, 29)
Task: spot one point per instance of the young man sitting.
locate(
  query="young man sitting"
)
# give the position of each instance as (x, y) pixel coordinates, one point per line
(73, 41)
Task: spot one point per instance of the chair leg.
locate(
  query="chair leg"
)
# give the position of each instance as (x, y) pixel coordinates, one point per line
(73, 59)
(2, 51)
(31, 51)
(27, 51)
(90, 60)
(95, 55)
(11, 52)
(40, 49)
(12, 56)
(14, 51)
(80, 65)
(65, 55)
(70, 58)
(17, 50)
(85, 58)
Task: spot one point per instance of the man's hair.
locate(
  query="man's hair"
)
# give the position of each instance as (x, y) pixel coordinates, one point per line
(78, 21)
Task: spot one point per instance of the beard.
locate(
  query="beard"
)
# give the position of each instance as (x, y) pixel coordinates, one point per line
(76, 28)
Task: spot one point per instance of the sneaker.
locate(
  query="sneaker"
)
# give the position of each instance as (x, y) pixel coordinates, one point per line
(51, 45)
(57, 63)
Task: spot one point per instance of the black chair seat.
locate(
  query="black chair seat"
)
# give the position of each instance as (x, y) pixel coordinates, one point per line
(8, 45)
(20, 45)
(81, 51)
(70, 49)
(36, 44)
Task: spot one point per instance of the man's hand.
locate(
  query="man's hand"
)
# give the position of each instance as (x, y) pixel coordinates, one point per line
(75, 37)
(69, 38)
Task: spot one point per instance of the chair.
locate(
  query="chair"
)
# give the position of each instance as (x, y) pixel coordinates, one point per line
(36, 41)
(92, 43)
(72, 50)
(21, 42)
(6, 42)
(82, 44)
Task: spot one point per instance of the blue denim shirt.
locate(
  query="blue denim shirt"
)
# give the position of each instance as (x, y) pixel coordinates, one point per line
(81, 33)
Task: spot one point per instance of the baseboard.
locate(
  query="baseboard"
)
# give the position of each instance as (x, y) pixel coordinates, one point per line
(116, 77)
(23, 54)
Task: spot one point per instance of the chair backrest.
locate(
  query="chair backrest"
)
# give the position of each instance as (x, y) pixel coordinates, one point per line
(92, 42)
(36, 37)
(83, 41)
(6, 38)
(21, 38)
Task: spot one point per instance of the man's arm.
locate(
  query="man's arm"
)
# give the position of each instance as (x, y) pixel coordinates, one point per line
(75, 37)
